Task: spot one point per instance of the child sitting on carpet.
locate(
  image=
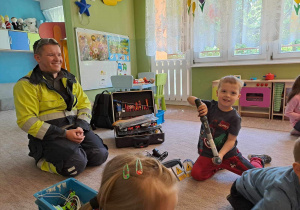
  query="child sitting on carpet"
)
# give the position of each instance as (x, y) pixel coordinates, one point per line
(134, 181)
(268, 188)
(225, 124)
(292, 110)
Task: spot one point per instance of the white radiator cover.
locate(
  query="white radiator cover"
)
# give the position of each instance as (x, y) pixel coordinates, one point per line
(178, 86)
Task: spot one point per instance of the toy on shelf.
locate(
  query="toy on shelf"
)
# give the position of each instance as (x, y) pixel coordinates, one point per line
(2, 22)
(20, 22)
(253, 78)
(31, 25)
(14, 23)
(269, 76)
(7, 23)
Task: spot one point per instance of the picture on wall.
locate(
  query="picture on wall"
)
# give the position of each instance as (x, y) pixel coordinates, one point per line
(101, 55)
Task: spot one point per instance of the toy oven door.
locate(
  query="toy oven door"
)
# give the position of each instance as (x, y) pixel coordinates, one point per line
(255, 96)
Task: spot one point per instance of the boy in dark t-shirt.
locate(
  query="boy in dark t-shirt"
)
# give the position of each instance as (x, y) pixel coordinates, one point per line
(225, 124)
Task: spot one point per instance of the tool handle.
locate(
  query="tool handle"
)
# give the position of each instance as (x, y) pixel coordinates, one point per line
(216, 159)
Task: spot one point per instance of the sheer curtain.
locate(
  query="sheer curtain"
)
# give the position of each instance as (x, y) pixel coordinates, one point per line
(290, 24)
(166, 26)
(210, 25)
(237, 21)
(55, 14)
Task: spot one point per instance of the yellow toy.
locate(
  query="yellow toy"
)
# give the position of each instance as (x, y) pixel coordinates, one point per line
(2, 22)
(111, 2)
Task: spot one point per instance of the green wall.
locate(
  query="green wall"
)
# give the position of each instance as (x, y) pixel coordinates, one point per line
(117, 19)
(143, 61)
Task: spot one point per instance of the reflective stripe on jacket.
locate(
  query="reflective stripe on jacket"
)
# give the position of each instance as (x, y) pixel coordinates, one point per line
(42, 112)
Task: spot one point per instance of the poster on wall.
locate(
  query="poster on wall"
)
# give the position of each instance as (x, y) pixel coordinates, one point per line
(101, 55)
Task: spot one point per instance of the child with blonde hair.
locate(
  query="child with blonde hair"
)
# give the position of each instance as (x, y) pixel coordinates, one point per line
(135, 182)
(292, 110)
(268, 188)
(225, 124)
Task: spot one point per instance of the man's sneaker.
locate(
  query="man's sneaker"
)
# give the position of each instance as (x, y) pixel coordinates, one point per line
(265, 158)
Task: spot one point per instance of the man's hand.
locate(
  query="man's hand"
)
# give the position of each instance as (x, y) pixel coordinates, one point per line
(202, 110)
(75, 135)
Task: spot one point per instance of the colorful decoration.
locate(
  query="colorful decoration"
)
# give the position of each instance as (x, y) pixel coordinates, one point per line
(111, 2)
(84, 7)
(193, 8)
(189, 5)
(297, 7)
(201, 5)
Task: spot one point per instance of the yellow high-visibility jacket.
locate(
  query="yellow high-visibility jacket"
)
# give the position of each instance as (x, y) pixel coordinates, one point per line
(42, 112)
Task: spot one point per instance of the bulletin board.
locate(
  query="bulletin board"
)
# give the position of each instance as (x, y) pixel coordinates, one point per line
(101, 55)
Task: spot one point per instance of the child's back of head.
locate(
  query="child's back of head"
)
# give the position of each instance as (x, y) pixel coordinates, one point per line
(232, 80)
(155, 188)
(297, 151)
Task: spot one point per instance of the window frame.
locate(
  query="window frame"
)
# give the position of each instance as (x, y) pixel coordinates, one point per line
(270, 51)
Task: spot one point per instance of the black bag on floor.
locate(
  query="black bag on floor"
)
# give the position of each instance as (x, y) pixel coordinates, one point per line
(102, 113)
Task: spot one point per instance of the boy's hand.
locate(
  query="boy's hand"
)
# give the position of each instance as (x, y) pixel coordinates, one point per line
(202, 110)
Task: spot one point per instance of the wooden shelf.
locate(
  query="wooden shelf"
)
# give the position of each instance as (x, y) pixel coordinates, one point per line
(17, 51)
(255, 109)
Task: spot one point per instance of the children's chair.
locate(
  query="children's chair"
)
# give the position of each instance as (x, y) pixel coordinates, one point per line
(122, 82)
(160, 81)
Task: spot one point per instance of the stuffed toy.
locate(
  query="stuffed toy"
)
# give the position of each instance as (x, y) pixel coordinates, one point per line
(2, 22)
(14, 23)
(20, 24)
(7, 23)
(31, 24)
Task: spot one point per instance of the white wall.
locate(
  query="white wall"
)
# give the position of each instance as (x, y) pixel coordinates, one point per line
(47, 4)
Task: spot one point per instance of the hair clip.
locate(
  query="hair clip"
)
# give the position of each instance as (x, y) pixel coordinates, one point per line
(138, 167)
(126, 173)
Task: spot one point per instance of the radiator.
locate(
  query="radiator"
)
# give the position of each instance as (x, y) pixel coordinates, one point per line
(178, 86)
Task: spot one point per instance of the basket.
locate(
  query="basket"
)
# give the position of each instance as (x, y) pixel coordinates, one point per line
(48, 198)
(160, 115)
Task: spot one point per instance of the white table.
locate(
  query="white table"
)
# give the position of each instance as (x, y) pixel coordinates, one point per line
(142, 85)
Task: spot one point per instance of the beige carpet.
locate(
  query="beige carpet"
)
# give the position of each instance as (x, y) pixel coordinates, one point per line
(20, 179)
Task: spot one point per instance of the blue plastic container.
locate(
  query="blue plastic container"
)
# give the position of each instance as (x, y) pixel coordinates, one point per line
(160, 115)
(48, 198)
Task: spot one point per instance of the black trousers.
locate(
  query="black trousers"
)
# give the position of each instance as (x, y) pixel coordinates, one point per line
(237, 200)
(297, 126)
(70, 158)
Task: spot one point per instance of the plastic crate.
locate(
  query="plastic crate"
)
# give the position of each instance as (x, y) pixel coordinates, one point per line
(160, 115)
(48, 198)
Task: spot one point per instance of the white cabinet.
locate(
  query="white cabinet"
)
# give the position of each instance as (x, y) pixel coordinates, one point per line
(4, 41)
(17, 41)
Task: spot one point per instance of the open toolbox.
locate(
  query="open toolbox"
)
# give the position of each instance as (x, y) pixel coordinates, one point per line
(136, 108)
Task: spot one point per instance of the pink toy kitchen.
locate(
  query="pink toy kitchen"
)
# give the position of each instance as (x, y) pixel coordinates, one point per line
(262, 98)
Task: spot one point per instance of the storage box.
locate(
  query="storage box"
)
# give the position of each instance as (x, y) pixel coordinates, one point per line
(160, 114)
(48, 198)
(133, 104)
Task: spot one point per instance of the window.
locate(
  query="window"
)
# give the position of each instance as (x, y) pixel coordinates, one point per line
(288, 44)
(241, 31)
(167, 29)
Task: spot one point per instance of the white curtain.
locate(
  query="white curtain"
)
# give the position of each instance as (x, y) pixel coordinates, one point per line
(166, 22)
(210, 25)
(236, 19)
(55, 14)
(290, 24)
